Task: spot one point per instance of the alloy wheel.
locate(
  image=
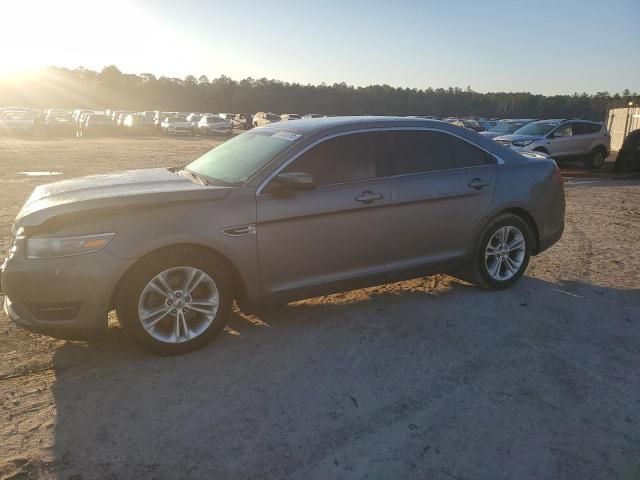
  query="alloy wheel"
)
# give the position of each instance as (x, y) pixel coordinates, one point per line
(178, 304)
(505, 253)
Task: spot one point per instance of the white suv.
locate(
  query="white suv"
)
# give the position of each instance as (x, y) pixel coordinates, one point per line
(560, 138)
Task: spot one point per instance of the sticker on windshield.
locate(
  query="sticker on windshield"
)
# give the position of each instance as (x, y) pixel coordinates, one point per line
(290, 136)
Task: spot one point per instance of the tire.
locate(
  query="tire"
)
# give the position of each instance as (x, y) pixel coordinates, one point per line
(481, 272)
(137, 297)
(597, 158)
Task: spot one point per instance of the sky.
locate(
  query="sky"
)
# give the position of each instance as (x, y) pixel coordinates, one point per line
(542, 46)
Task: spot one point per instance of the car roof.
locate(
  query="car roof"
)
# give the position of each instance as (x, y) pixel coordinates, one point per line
(319, 127)
(311, 125)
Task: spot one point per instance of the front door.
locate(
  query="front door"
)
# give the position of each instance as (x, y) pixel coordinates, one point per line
(329, 238)
(561, 141)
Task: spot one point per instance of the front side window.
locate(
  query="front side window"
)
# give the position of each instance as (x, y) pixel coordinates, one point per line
(343, 159)
(565, 130)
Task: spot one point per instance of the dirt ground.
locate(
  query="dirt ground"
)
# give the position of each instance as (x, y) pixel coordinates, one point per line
(429, 379)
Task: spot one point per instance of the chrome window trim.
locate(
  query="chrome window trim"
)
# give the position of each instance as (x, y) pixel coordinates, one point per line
(286, 163)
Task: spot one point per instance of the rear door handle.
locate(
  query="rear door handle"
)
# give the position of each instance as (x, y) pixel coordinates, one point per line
(478, 183)
(368, 197)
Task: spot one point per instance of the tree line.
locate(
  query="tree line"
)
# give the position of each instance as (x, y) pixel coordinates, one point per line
(111, 88)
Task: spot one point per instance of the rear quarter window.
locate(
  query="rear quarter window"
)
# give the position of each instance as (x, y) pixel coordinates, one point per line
(467, 155)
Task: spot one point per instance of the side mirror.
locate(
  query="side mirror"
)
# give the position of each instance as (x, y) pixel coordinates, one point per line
(556, 135)
(292, 182)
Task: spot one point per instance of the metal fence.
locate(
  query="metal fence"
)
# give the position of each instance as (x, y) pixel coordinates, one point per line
(620, 122)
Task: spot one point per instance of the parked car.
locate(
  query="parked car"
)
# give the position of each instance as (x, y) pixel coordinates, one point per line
(472, 124)
(121, 117)
(226, 116)
(242, 121)
(136, 124)
(289, 116)
(176, 126)
(562, 138)
(59, 122)
(213, 124)
(506, 127)
(98, 125)
(312, 115)
(271, 216)
(262, 118)
(16, 122)
(193, 119)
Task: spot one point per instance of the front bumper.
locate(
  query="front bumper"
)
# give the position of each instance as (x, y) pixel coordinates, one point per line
(62, 297)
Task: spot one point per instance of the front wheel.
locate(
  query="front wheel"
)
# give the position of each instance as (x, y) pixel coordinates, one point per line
(597, 158)
(502, 253)
(175, 303)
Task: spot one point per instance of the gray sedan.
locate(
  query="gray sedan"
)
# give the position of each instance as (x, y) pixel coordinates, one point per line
(279, 213)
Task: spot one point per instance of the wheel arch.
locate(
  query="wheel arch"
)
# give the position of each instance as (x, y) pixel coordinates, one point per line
(240, 288)
(528, 218)
(601, 148)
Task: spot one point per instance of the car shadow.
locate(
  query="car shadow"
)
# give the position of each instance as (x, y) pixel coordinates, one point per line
(420, 376)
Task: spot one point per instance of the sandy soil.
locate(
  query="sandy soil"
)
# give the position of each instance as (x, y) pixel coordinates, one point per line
(429, 378)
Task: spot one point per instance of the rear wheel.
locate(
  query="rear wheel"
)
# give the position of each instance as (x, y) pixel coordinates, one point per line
(175, 303)
(502, 253)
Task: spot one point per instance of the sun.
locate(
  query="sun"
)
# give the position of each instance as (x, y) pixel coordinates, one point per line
(42, 33)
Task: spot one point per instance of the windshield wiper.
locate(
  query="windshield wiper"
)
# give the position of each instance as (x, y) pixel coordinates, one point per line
(193, 176)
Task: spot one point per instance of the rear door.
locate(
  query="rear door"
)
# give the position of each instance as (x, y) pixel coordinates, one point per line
(443, 186)
(583, 134)
(329, 238)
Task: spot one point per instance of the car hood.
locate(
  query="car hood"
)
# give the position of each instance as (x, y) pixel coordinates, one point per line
(513, 137)
(133, 187)
(180, 124)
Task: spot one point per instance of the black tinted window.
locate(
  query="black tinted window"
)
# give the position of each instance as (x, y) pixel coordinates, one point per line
(585, 128)
(343, 159)
(467, 155)
(416, 152)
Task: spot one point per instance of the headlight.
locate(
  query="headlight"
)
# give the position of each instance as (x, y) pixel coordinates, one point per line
(51, 247)
(522, 143)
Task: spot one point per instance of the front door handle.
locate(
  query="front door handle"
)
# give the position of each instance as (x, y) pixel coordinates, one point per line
(478, 183)
(368, 197)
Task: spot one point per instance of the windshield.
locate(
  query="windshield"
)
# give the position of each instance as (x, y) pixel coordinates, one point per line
(235, 160)
(507, 127)
(536, 128)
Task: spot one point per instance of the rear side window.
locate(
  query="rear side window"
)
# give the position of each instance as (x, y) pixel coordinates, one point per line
(344, 159)
(410, 152)
(586, 128)
(468, 155)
